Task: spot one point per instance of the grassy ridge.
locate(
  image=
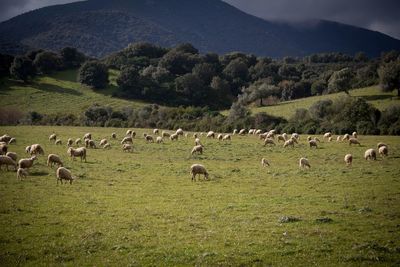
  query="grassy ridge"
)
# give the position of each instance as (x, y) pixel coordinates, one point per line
(142, 209)
(59, 93)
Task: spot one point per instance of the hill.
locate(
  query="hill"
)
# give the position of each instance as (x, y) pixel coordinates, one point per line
(100, 27)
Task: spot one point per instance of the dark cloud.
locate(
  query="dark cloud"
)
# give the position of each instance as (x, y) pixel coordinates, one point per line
(379, 15)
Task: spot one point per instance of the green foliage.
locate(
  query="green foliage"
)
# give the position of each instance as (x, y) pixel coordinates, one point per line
(389, 76)
(5, 64)
(93, 74)
(318, 87)
(340, 81)
(47, 62)
(71, 57)
(22, 68)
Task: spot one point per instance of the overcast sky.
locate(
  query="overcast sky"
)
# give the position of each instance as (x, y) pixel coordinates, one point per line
(379, 15)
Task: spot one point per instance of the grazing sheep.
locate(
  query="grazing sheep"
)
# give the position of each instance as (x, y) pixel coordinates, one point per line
(28, 149)
(220, 136)
(127, 148)
(269, 141)
(107, 146)
(186, 135)
(353, 141)
(129, 132)
(103, 142)
(383, 151)
(338, 139)
(235, 131)
(251, 131)
(3, 149)
(159, 140)
(5, 160)
(87, 136)
(295, 136)
(210, 134)
(226, 137)
(22, 173)
(149, 139)
(173, 137)
(165, 134)
(346, 137)
(309, 138)
(198, 169)
(262, 136)
(327, 135)
(316, 139)
(330, 139)
(78, 152)
(179, 132)
(197, 149)
(258, 131)
(294, 140)
(12, 155)
(281, 138)
(354, 134)
(370, 154)
(271, 135)
(127, 139)
(381, 144)
(195, 135)
(114, 136)
(285, 136)
(54, 159)
(12, 141)
(53, 137)
(64, 174)
(156, 131)
(36, 149)
(348, 159)
(58, 142)
(242, 132)
(70, 142)
(197, 142)
(26, 163)
(264, 162)
(78, 141)
(90, 143)
(5, 138)
(303, 162)
(313, 143)
(288, 143)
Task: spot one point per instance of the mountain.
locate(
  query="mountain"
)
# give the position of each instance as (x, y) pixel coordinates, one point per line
(100, 27)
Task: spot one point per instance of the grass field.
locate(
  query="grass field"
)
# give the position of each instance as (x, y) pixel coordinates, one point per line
(52, 94)
(141, 208)
(373, 95)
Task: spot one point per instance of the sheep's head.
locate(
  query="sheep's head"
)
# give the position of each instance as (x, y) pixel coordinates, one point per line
(33, 157)
(69, 151)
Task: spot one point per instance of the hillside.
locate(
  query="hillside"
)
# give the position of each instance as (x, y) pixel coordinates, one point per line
(101, 27)
(59, 93)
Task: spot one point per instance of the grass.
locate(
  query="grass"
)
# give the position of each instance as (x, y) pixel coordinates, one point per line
(57, 92)
(373, 95)
(141, 208)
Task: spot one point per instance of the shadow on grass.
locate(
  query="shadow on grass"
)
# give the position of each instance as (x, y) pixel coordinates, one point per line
(55, 89)
(376, 97)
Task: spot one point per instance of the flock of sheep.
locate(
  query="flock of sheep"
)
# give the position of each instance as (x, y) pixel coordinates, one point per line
(9, 158)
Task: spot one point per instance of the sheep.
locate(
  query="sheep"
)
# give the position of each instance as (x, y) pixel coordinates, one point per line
(36, 149)
(262, 136)
(303, 162)
(58, 142)
(186, 135)
(78, 141)
(264, 162)
(54, 159)
(338, 139)
(113, 135)
(370, 154)
(220, 136)
(28, 149)
(70, 142)
(90, 143)
(354, 134)
(107, 146)
(127, 148)
(346, 137)
(129, 132)
(53, 137)
(5, 138)
(269, 141)
(235, 131)
(251, 131)
(156, 131)
(195, 135)
(327, 135)
(12, 155)
(26, 163)
(348, 159)
(288, 143)
(259, 131)
(381, 144)
(313, 143)
(197, 142)
(5, 160)
(173, 137)
(295, 136)
(78, 152)
(316, 139)
(330, 139)
(285, 136)
(22, 173)
(242, 132)
(3, 149)
(198, 169)
(281, 138)
(149, 139)
(159, 140)
(179, 131)
(103, 142)
(64, 174)
(271, 135)
(127, 139)
(87, 136)
(12, 141)
(309, 138)
(383, 151)
(226, 137)
(197, 149)
(165, 134)
(353, 141)
(294, 140)
(210, 134)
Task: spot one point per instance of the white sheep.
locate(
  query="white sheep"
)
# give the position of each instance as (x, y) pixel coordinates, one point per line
(12, 155)
(381, 144)
(198, 169)
(285, 136)
(64, 174)
(36, 149)
(370, 154)
(264, 162)
(258, 131)
(78, 141)
(269, 141)
(383, 151)
(210, 134)
(242, 132)
(53, 137)
(294, 140)
(338, 139)
(303, 162)
(226, 137)
(354, 134)
(197, 149)
(327, 135)
(313, 143)
(159, 140)
(12, 141)
(127, 148)
(281, 138)
(90, 143)
(348, 159)
(353, 141)
(165, 134)
(346, 137)
(149, 139)
(87, 136)
(289, 143)
(26, 163)
(107, 146)
(330, 139)
(271, 134)
(114, 136)
(28, 149)
(70, 142)
(54, 159)
(103, 142)
(219, 137)
(295, 136)
(22, 173)
(197, 142)
(262, 136)
(195, 135)
(179, 131)
(173, 137)
(235, 131)
(58, 142)
(126, 140)
(5, 138)
(309, 138)
(129, 132)
(156, 131)
(251, 131)
(5, 160)
(78, 152)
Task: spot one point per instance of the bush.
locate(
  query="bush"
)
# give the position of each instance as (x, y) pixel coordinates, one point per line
(93, 74)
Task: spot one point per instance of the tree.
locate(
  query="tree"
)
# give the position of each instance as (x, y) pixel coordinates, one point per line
(128, 80)
(389, 76)
(22, 68)
(205, 71)
(236, 69)
(340, 81)
(94, 74)
(46, 62)
(178, 63)
(143, 49)
(192, 89)
(71, 57)
(318, 87)
(5, 64)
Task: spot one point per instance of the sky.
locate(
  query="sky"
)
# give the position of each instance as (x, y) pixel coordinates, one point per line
(378, 15)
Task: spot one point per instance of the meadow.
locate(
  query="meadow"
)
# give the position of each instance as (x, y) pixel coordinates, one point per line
(141, 208)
